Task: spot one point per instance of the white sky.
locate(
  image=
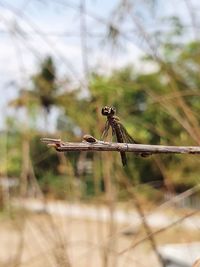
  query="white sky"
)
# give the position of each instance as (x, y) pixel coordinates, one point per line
(31, 29)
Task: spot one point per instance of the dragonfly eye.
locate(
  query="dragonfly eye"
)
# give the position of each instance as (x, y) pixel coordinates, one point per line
(105, 111)
(112, 110)
(108, 111)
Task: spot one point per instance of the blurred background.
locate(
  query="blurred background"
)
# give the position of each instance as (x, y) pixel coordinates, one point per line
(61, 62)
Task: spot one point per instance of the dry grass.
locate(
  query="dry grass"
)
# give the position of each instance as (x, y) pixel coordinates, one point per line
(44, 240)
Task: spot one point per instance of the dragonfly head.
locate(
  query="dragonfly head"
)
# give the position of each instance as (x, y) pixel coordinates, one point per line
(108, 111)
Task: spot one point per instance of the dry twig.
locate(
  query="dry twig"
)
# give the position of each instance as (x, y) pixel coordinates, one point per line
(96, 145)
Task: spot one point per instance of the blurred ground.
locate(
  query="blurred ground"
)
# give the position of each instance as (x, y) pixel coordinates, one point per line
(156, 216)
(43, 239)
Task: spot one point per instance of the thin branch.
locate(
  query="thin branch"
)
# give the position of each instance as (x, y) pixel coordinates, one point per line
(92, 144)
(159, 231)
(145, 223)
(191, 11)
(24, 18)
(83, 37)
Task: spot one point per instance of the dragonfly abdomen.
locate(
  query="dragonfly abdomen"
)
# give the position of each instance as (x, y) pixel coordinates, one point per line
(119, 135)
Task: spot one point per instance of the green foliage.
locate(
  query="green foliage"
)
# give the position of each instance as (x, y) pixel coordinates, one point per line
(161, 107)
(54, 186)
(10, 164)
(43, 158)
(44, 86)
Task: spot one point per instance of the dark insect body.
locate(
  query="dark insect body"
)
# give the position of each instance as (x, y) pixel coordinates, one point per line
(117, 129)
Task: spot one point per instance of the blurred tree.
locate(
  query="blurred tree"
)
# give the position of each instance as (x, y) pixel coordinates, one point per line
(41, 94)
(159, 107)
(45, 88)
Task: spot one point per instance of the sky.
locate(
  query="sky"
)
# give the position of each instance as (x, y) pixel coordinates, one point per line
(32, 29)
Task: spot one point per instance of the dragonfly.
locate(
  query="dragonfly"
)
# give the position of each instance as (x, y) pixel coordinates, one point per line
(118, 130)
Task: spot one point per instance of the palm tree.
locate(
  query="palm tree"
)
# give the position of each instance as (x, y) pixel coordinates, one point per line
(41, 94)
(45, 89)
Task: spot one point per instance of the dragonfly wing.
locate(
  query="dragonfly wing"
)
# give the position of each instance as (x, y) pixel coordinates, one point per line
(126, 136)
(105, 131)
(113, 132)
(129, 139)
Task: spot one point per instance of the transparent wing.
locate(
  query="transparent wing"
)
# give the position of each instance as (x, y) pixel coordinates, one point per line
(105, 131)
(128, 139)
(113, 132)
(126, 136)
